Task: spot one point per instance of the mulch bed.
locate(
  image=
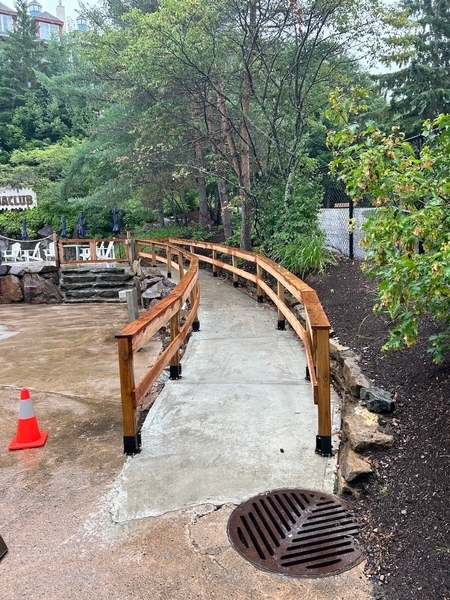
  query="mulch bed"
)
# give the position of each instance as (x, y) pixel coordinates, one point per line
(405, 502)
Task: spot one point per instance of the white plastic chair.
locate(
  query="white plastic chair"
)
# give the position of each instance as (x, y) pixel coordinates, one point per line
(13, 254)
(34, 254)
(106, 253)
(49, 252)
(85, 253)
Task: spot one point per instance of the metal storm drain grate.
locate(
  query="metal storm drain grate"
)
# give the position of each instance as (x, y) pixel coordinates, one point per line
(296, 532)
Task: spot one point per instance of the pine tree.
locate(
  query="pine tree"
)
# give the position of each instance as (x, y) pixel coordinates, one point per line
(420, 89)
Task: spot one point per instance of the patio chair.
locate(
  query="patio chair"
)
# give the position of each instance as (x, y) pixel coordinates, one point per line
(105, 253)
(49, 253)
(34, 254)
(85, 253)
(13, 254)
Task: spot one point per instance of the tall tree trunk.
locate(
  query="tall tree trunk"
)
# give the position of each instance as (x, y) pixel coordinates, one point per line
(225, 208)
(161, 212)
(246, 201)
(203, 218)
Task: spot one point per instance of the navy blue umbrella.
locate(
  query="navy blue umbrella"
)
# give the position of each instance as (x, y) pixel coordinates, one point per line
(116, 224)
(81, 227)
(24, 229)
(63, 227)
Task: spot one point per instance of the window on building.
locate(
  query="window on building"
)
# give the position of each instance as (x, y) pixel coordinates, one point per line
(48, 30)
(6, 23)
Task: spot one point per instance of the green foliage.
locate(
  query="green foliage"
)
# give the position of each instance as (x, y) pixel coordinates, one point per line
(418, 45)
(191, 232)
(413, 193)
(304, 254)
(290, 234)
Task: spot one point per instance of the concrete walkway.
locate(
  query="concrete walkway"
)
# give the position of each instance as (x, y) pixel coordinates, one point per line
(72, 513)
(240, 421)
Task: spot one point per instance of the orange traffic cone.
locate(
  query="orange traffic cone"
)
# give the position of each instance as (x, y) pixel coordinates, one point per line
(28, 434)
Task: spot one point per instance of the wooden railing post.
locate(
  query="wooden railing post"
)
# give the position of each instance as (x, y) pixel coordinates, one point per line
(180, 265)
(323, 439)
(153, 255)
(175, 367)
(93, 249)
(234, 262)
(169, 262)
(130, 249)
(193, 297)
(259, 276)
(280, 293)
(214, 256)
(131, 437)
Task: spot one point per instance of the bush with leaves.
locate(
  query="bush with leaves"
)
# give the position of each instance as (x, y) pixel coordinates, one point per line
(408, 239)
(290, 234)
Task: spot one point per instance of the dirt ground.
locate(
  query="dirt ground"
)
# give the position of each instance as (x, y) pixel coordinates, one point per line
(405, 503)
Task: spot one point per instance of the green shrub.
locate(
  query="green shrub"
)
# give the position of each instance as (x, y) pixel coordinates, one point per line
(303, 255)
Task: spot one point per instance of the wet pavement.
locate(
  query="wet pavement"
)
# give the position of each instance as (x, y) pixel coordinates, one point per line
(59, 504)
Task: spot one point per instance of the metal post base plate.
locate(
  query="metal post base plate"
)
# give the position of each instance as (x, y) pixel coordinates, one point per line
(175, 372)
(323, 445)
(132, 444)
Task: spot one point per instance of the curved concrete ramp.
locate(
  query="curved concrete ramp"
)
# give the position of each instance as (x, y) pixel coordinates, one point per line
(239, 422)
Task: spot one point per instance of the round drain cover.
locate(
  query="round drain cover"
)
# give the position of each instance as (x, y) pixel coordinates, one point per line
(296, 532)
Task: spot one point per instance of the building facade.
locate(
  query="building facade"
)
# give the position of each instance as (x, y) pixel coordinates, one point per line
(47, 25)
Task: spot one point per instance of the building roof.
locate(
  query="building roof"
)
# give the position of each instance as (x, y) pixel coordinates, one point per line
(48, 18)
(6, 10)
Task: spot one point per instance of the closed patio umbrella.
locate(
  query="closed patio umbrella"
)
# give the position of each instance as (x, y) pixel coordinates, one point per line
(81, 227)
(116, 224)
(24, 229)
(63, 227)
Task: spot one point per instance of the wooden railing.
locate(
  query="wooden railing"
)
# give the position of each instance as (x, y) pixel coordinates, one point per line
(137, 333)
(314, 333)
(90, 250)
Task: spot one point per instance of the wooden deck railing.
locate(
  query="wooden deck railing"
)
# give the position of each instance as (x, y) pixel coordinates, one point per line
(137, 333)
(256, 268)
(90, 250)
(314, 333)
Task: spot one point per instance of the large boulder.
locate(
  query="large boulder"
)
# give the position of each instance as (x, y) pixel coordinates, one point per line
(10, 289)
(37, 290)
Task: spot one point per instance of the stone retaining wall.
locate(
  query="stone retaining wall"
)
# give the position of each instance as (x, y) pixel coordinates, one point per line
(33, 284)
(363, 426)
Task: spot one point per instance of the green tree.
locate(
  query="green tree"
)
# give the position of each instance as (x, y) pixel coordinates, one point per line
(232, 84)
(412, 193)
(419, 88)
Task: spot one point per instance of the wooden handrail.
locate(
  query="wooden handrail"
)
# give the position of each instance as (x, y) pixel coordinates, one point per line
(136, 334)
(314, 333)
(91, 244)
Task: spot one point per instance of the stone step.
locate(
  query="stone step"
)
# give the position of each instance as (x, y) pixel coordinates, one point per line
(95, 284)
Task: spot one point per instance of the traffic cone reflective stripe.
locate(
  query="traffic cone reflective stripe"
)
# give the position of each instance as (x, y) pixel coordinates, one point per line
(28, 434)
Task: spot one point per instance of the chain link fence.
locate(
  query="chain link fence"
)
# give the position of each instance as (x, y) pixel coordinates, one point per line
(341, 220)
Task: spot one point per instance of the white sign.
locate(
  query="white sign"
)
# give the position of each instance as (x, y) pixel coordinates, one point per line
(17, 199)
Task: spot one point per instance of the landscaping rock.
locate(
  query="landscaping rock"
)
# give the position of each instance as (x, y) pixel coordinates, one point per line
(153, 292)
(149, 272)
(354, 379)
(10, 290)
(351, 465)
(361, 430)
(37, 290)
(377, 400)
